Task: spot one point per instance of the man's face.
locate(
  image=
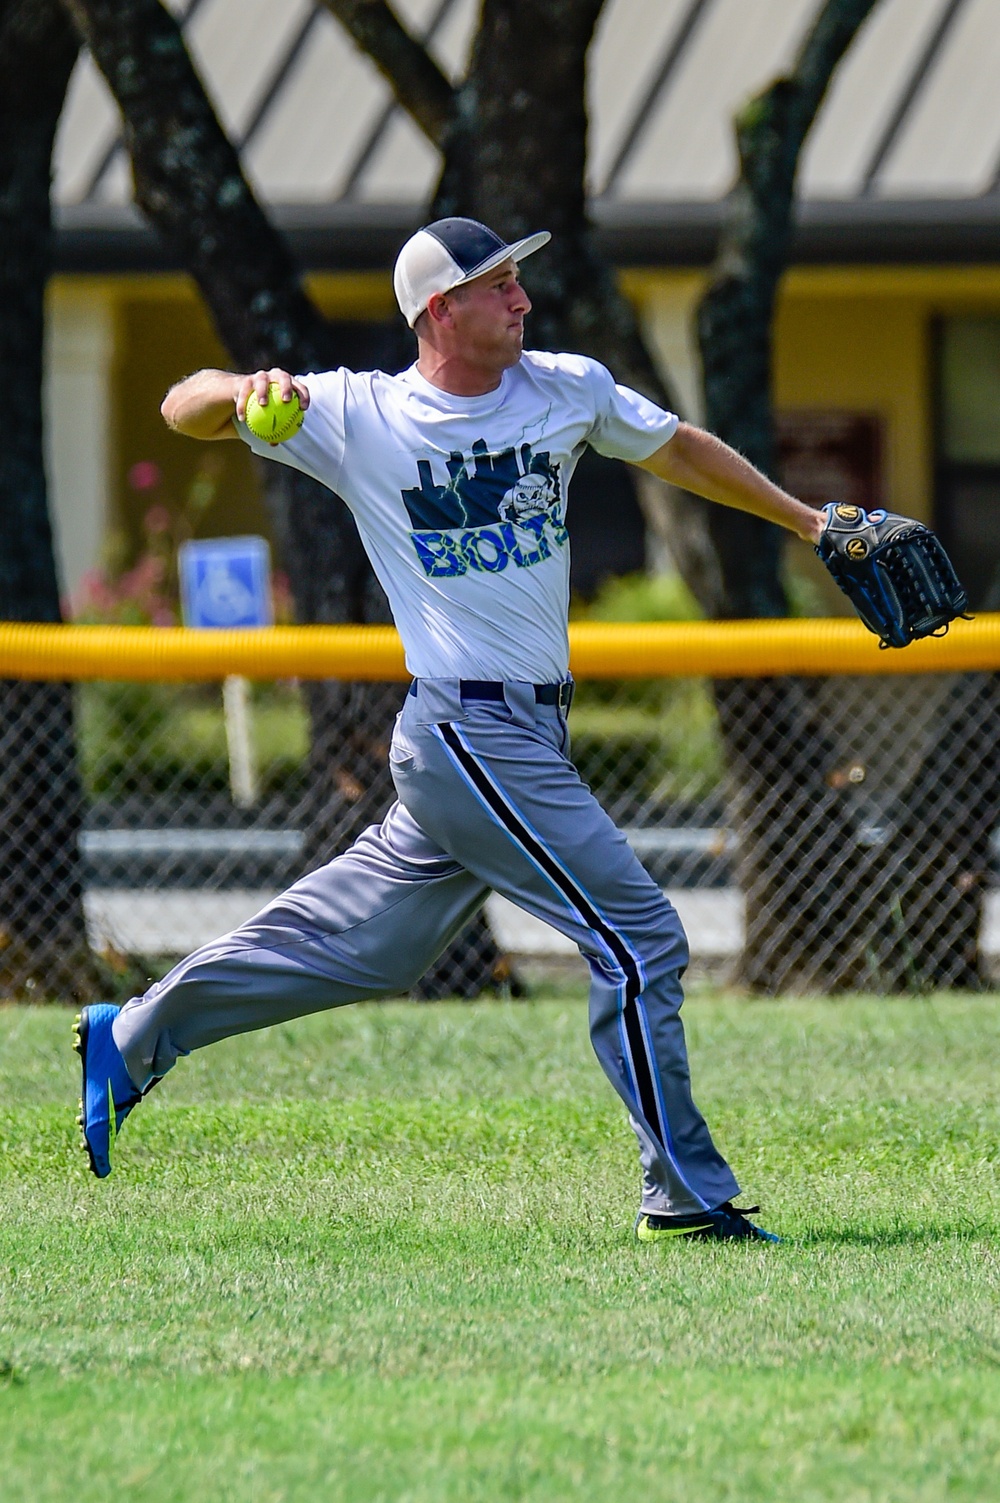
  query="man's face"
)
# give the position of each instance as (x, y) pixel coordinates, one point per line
(488, 316)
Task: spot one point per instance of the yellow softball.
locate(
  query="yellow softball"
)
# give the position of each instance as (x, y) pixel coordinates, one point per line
(276, 420)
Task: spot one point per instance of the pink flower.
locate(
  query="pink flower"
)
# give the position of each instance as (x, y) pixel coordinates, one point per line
(144, 476)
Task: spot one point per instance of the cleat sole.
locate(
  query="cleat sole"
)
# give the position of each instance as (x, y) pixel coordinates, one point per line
(81, 1030)
(649, 1236)
(699, 1232)
(79, 1033)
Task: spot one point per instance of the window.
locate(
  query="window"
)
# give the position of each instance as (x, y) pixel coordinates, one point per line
(967, 502)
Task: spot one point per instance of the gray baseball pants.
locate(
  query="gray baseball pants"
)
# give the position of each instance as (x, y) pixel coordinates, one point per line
(487, 799)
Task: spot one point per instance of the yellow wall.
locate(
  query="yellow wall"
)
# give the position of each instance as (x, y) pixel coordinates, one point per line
(869, 356)
(866, 354)
(159, 341)
(162, 333)
(856, 338)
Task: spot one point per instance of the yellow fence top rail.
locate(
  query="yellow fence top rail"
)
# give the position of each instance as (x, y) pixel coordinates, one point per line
(659, 649)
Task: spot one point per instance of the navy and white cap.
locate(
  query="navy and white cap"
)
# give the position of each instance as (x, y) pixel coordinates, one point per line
(447, 253)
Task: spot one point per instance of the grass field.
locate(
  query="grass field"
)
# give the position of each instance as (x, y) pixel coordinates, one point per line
(386, 1254)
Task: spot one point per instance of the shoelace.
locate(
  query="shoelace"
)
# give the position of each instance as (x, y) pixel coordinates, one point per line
(743, 1211)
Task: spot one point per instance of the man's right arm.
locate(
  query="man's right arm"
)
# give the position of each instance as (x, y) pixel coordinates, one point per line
(204, 405)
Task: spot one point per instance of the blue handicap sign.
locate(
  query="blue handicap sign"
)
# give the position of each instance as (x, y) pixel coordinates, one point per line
(226, 582)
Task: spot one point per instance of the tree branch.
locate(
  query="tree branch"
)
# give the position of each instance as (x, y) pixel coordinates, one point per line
(38, 48)
(189, 183)
(737, 310)
(771, 130)
(414, 76)
(44, 935)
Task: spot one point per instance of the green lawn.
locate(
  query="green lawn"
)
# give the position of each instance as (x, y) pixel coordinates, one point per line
(386, 1254)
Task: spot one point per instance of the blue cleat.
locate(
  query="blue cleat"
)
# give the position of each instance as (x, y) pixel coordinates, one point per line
(727, 1223)
(108, 1092)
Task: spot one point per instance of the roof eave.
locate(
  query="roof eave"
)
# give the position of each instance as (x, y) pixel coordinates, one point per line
(364, 237)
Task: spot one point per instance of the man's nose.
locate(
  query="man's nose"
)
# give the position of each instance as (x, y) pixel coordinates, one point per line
(521, 302)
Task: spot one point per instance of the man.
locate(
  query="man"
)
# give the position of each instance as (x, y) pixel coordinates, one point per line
(457, 473)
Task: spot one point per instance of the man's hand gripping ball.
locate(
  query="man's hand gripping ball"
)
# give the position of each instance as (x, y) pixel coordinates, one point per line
(274, 420)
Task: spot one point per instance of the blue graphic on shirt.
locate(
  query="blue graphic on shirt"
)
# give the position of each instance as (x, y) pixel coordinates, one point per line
(495, 510)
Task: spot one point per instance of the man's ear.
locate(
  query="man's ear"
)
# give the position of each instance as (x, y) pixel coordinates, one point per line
(438, 310)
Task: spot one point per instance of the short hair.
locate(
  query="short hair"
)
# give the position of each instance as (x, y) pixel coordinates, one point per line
(422, 320)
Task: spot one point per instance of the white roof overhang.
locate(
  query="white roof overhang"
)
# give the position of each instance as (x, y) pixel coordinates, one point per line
(902, 164)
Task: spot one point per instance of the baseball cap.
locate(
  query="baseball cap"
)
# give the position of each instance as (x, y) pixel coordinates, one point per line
(447, 253)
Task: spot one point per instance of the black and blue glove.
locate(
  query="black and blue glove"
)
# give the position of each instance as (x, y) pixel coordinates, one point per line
(894, 571)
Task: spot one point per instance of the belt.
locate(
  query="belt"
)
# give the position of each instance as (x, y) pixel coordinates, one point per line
(545, 694)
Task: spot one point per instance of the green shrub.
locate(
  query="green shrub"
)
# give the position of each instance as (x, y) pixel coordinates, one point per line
(647, 740)
(172, 736)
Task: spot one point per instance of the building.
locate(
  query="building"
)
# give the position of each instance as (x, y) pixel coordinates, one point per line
(888, 332)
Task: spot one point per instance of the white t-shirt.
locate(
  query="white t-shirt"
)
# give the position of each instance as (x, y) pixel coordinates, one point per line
(461, 501)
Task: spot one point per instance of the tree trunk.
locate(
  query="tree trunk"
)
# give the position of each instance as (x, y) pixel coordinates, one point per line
(348, 785)
(811, 882)
(736, 314)
(816, 889)
(942, 834)
(43, 946)
(189, 183)
(515, 157)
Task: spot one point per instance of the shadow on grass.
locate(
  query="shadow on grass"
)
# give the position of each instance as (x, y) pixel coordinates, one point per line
(896, 1236)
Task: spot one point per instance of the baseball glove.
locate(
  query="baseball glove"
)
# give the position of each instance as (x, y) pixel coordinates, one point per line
(894, 571)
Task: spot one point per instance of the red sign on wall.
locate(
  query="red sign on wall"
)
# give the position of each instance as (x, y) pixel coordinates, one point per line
(831, 456)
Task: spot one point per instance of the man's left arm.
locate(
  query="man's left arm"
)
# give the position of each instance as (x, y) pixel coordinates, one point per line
(697, 461)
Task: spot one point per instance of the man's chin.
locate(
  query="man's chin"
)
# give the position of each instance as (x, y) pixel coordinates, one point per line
(514, 349)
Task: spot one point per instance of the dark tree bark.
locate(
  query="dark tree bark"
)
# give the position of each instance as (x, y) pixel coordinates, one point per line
(514, 148)
(826, 908)
(406, 65)
(43, 948)
(941, 834)
(796, 880)
(189, 183)
(514, 144)
(514, 138)
(527, 69)
(37, 52)
(736, 314)
(516, 158)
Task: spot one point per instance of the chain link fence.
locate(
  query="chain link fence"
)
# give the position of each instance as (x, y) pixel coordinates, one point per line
(815, 834)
